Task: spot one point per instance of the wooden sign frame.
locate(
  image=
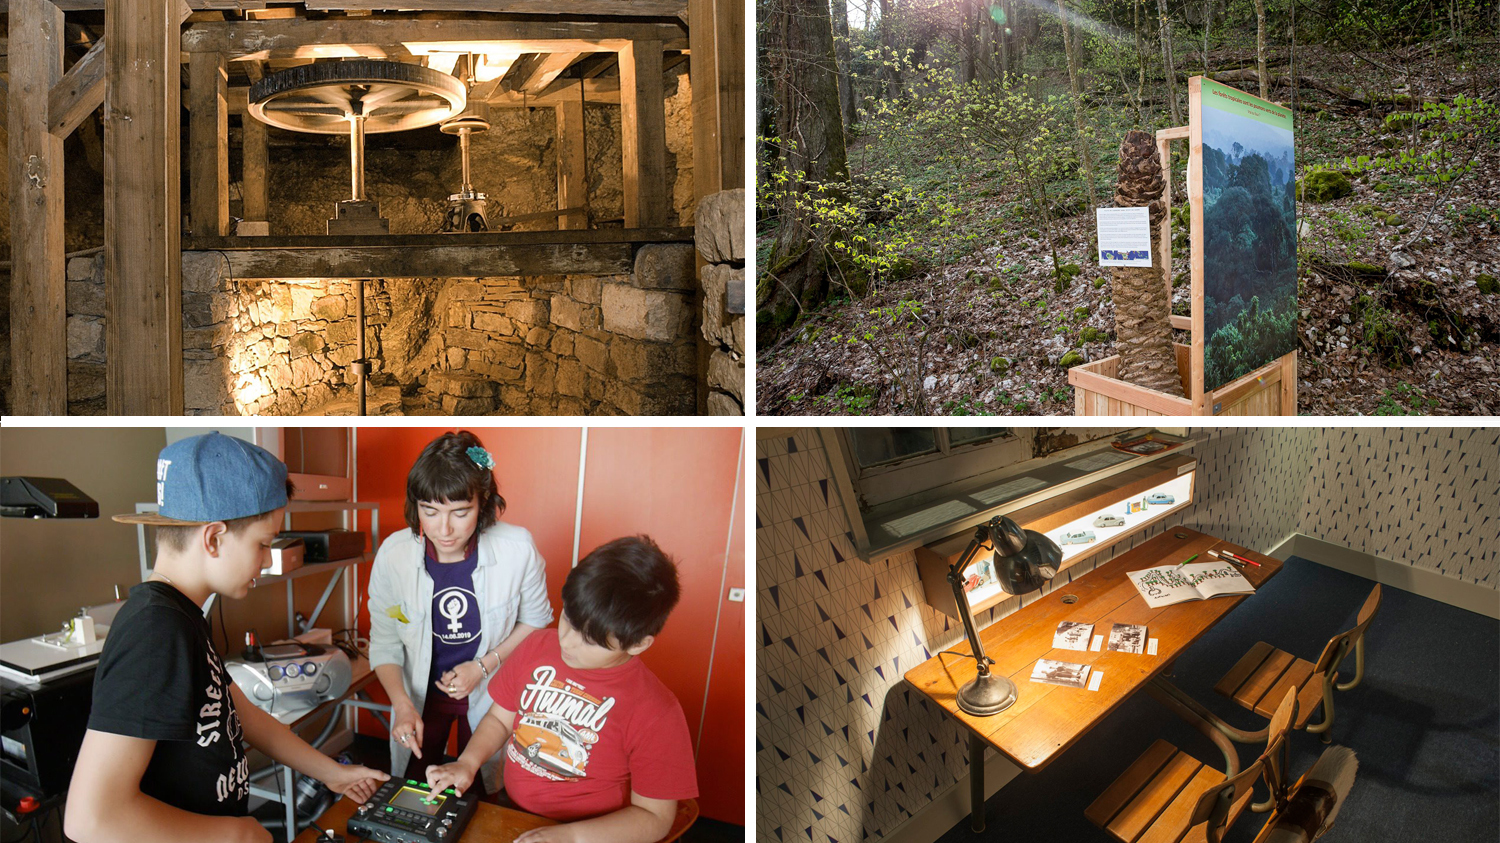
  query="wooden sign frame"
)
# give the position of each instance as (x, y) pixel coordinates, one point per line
(1268, 390)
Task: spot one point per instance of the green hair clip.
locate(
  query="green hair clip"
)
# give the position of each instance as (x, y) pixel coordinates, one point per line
(481, 458)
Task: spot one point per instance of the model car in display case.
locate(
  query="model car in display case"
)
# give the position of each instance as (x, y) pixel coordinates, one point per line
(1077, 537)
(1160, 499)
(1109, 521)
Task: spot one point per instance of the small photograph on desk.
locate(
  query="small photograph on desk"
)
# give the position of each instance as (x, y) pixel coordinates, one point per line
(1127, 638)
(1071, 635)
(1066, 674)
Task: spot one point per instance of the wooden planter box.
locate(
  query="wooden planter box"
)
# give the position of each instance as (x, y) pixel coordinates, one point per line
(1270, 390)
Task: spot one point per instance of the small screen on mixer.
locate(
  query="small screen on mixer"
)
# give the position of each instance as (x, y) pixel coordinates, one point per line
(420, 801)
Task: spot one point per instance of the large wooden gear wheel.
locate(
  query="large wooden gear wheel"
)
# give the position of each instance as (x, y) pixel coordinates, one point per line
(321, 98)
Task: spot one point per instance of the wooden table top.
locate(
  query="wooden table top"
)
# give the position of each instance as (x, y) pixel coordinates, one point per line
(1047, 719)
(491, 823)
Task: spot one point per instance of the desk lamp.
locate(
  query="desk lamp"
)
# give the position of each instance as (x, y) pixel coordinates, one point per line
(1023, 562)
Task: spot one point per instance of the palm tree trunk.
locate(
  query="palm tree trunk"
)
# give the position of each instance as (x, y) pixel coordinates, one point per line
(1143, 327)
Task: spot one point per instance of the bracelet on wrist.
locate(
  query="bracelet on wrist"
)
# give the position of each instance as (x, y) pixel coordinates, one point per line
(482, 668)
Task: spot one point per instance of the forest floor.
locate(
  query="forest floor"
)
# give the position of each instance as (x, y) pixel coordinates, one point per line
(1380, 333)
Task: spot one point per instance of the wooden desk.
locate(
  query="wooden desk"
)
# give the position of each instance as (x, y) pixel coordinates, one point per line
(491, 823)
(1031, 734)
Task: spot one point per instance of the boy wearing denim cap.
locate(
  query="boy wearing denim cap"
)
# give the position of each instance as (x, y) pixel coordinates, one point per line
(163, 758)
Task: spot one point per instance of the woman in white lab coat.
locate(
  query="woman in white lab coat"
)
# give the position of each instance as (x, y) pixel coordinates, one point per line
(450, 597)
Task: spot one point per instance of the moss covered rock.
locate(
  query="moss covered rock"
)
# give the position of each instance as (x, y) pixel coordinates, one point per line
(1487, 284)
(1071, 359)
(1324, 186)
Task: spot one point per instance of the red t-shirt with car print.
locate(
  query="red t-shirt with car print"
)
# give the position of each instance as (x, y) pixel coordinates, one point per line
(582, 740)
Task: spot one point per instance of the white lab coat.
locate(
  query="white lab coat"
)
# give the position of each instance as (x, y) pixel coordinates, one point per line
(510, 582)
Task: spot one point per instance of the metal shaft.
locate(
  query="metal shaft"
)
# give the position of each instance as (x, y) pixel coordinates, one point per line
(357, 155)
(463, 149)
(359, 316)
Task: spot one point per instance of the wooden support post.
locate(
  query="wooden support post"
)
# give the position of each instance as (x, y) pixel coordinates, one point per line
(38, 306)
(643, 122)
(716, 36)
(143, 208)
(208, 83)
(572, 189)
(253, 179)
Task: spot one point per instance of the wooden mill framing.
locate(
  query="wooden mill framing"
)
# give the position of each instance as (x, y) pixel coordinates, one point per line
(1269, 390)
(135, 72)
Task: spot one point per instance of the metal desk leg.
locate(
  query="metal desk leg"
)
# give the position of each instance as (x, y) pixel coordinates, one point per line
(291, 804)
(976, 782)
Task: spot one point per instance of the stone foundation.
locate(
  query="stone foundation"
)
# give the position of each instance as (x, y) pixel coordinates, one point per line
(720, 234)
(550, 345)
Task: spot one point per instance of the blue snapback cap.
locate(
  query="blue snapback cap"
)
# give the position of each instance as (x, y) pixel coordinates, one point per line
(213, 477)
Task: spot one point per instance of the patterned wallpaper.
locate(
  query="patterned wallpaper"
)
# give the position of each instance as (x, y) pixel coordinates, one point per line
(846, 751)
(1427, 497)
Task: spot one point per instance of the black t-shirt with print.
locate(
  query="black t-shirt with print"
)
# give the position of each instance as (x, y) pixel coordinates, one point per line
(160, 679)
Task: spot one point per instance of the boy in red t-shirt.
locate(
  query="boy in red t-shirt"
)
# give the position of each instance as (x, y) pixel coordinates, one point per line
(591, 736)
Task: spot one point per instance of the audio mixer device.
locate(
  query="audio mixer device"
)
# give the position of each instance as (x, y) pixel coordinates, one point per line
(407, 811)
(292, 676)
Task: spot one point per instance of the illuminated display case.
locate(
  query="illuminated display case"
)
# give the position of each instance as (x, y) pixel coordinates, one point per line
(1083, 520)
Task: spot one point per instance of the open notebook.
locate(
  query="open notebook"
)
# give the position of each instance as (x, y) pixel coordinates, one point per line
(1170, 584)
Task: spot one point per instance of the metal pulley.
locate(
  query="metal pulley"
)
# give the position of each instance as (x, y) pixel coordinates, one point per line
(467, 208)
(357, 97)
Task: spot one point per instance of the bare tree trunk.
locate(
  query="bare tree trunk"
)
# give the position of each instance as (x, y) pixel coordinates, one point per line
(1140, 57)
(890, 72)
(1260, 49)
(1143, 326)
(1085, 155)
(804, 74)
(1166, 57)
(968, 40)
(841, 49)
(1208, 20)
(1005, 35)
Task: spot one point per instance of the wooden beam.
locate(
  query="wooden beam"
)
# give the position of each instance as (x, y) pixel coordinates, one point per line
(208, 191)
(519, 72)
(81, 91)
(572, 190)
(643, 123)
(718, 79)
(597, 91)
(551, 66)
(38, 306)
(307, 38)
(590, 8)
(490, 254)
(632, 8)
(257, 160)
(142, 208)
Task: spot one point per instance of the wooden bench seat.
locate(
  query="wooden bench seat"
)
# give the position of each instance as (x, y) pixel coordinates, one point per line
(1262, 676)
(1153, 799)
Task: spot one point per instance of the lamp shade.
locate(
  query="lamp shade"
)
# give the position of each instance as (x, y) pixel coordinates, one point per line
(1024, 559)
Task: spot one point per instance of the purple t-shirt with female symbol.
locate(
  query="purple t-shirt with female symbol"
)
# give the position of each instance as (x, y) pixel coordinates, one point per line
(456, 612)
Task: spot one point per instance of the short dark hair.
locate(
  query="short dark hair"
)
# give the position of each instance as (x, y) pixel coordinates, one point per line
(445, 472)
(622, 590)
(176, 538)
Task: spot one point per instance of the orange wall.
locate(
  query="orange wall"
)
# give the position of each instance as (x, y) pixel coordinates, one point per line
(677, 485)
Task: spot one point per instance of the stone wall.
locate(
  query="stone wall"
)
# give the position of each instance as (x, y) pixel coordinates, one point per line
(553, 345)
(720, 235)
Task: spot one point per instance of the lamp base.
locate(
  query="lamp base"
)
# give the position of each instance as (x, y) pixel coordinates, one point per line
(986, 695)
